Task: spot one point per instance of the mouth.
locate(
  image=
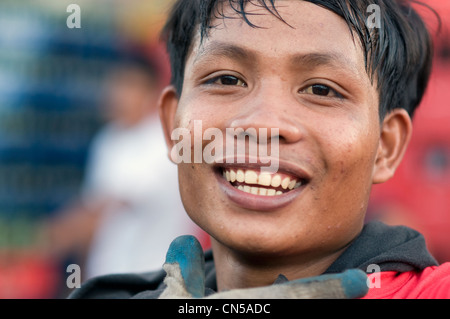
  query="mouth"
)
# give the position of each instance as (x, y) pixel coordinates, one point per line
(253, 189)
(261, 183)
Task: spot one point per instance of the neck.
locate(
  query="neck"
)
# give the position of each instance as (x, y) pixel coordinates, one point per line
(235, 270)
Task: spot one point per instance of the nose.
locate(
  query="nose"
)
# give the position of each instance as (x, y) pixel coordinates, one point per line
(272, 110)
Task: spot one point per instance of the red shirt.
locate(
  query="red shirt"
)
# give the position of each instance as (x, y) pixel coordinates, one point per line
(431, 283)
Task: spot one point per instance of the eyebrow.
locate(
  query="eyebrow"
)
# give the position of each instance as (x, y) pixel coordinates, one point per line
(218, 49)
(316, 59)
(311, 60)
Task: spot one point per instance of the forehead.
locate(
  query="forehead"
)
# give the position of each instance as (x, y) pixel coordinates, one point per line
(306, 29)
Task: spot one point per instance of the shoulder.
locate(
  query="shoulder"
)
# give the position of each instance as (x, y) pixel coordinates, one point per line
(430, 283)
(122, 286)
(434, 282)
(148, 285)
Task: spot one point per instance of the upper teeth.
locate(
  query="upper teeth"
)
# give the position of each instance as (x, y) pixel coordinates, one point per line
(252, 177)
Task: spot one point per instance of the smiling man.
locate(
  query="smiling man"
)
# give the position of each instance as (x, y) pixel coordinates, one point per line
(312, 84)
(339, 96)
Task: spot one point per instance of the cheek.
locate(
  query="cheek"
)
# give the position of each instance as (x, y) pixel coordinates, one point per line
(340, 197)
(199, 194)
(194, 107)
(345, 153)
(350, 145)
(350, 162)
(190, 190)
(195, 186)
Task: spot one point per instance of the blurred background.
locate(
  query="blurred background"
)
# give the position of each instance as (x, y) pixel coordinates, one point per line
(84, 173)
(78, 131)
(419, 194)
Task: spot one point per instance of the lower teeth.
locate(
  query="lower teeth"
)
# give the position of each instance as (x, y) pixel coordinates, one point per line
(259, 190)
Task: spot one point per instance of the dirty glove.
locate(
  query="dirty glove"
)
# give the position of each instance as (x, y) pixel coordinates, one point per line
(185, 269)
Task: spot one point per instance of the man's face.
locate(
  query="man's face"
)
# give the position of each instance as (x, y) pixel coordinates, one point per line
(307, 79)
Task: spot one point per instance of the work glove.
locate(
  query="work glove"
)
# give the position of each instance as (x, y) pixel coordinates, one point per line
(185, 278)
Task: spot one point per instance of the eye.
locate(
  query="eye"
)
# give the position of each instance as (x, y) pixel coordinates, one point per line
(227, 80)
(321, 90)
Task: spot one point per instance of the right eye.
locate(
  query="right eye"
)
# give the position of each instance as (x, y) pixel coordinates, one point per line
(227, 80)
(321, 90)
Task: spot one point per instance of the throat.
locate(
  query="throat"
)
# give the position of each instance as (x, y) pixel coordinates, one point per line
(240, 270)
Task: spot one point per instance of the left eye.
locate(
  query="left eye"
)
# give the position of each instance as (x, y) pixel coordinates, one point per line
(321, 90)
(227, 80)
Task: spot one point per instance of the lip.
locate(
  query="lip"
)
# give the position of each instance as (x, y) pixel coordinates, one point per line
(259, 163)
(258, 202)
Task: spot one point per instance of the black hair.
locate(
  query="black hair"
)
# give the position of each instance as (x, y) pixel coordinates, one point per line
(398, 53)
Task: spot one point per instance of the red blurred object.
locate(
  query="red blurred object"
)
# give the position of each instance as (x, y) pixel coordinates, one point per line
(419, 194)
(26, 275)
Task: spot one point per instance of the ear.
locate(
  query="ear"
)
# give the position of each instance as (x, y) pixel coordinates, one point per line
(167, 107)
(395, 135)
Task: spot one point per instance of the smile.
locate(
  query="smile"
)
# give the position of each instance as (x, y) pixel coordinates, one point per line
(260, 183)
(254, 189)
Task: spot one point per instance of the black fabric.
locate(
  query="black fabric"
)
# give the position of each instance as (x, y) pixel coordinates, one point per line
(392, 248)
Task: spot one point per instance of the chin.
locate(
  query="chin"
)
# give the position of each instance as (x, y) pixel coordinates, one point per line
(255, 239)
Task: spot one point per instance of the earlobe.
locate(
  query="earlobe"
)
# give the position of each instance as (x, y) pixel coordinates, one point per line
(167, 107)
(395, 135)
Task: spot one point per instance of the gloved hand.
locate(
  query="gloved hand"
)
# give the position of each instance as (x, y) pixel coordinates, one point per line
(185, 268)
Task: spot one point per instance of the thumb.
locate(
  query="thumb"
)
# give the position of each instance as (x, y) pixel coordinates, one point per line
(185, 268)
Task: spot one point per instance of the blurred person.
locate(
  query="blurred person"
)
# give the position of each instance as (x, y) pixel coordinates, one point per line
(129, 209)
